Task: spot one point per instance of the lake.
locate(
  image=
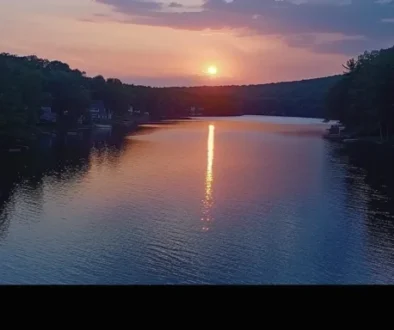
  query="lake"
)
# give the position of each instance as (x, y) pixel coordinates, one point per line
(240, 200)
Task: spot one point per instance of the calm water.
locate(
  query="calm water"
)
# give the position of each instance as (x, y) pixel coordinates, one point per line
(250, 200)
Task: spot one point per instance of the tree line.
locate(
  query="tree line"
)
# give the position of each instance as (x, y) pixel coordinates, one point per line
(363, 99)
(303, 98)
(28, 83)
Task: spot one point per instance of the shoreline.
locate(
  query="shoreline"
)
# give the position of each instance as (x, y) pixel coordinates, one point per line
(128, 125)
(348, 139)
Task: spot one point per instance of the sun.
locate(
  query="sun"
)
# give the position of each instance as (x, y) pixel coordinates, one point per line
(212, 70)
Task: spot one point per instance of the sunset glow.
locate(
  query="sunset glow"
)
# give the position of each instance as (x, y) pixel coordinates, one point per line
(134, 40)
(212, 70)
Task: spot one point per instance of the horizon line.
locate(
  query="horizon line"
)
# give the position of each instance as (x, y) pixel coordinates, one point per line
(162, 87)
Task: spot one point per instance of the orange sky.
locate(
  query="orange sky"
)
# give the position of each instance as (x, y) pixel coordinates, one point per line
(98, 38)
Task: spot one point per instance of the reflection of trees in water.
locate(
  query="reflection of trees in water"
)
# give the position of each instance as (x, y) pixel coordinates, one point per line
(63, 159)
(370, 181)
(4, 219)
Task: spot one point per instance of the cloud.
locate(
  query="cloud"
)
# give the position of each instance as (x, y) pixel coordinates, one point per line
(348, 47)
(175, 5)
(132, 7)
(299, 22)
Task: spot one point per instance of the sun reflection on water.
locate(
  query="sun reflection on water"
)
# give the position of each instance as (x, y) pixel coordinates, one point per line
(208, 200)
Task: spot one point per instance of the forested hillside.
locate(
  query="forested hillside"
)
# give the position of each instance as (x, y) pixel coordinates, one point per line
(296, 99)
(363, 99)
(28, 83)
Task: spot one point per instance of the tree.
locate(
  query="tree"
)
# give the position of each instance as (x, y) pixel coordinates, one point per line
(363, 99)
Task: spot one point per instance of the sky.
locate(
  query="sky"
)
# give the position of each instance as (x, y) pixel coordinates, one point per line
(172, 43)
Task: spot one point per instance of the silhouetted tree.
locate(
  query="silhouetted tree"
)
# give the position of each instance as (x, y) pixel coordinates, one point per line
(363, 100)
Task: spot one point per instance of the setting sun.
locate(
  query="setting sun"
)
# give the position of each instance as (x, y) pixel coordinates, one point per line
(212, 70)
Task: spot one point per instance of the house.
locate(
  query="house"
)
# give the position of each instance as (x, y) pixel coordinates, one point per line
(98, 111)
(195, 111)
(133, 111)
(335, 129)
(47, 115)
(335, 133)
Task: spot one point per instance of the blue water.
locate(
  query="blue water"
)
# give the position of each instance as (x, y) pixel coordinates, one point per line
(243, 200)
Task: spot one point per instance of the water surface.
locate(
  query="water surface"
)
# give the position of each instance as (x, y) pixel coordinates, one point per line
(242, 200)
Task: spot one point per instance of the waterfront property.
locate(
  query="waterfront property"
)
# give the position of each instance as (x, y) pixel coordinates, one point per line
(98, 111)
(195, 111)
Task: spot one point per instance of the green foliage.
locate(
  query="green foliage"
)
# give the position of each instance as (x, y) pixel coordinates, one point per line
(29, 83)
(363, 100)
(116, 96)
(20, 92)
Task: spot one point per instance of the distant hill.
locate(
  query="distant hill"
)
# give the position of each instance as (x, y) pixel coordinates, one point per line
(303, 98)
(29, 83)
